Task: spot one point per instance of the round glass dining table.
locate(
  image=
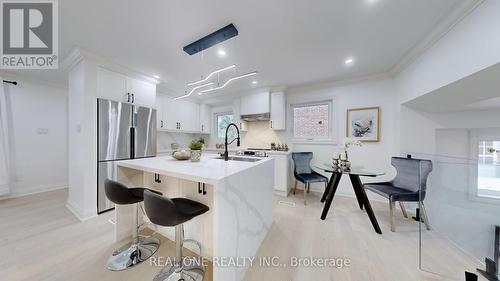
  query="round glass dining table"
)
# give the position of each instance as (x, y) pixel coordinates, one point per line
(354, 175)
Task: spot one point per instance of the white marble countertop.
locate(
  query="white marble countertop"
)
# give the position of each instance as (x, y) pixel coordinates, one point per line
(208, 170)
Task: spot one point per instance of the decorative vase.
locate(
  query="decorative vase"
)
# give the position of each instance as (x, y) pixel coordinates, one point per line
(195, 155)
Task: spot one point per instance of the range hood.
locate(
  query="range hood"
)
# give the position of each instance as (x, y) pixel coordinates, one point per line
(256, 117)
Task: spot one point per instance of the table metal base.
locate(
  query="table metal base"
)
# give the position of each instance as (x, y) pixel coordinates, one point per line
(363, 201)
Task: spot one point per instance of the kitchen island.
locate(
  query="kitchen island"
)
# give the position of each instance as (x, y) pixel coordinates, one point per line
(239, 194)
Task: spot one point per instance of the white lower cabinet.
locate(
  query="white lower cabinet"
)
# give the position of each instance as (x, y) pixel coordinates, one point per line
(282, 173)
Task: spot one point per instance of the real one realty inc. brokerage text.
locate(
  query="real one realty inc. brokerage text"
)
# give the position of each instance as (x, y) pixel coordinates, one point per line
(273, 261)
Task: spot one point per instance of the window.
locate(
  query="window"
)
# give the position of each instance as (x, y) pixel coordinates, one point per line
(488, 174)
(223, 120)
(311, 121)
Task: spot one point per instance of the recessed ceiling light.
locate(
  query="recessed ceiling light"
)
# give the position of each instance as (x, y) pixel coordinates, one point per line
(371, 1)
(254, 82)
(156, 76)
(221, 53)
(349, 61)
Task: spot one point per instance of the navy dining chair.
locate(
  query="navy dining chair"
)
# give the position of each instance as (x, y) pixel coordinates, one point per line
(303, 172)
(409, 185)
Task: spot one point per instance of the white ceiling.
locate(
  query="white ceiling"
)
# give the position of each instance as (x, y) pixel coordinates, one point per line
(289, 42)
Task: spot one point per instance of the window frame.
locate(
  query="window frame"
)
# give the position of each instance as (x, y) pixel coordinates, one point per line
(477, 136)
(216, 122)
(320, 140)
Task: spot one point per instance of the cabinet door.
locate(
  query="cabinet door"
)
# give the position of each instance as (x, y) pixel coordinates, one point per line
(278, 114)
(205, 118)
(111, 85)
(237, 116)
(255, 104)
(144, 93)
(190, 117)
(280, 173)
(201, 227)
(160, 106)
(171, 115)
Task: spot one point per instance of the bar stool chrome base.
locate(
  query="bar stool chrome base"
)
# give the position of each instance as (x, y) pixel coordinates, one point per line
(191, 270)
(133, 253)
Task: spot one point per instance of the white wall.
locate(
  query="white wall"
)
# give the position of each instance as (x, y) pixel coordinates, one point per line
(38, 130)
(469, 47)
(374, 156)
(82, 135)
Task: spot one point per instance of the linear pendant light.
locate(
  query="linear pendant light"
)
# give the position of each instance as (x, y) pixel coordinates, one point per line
(228, 81)
(211, 74)
(194, 89)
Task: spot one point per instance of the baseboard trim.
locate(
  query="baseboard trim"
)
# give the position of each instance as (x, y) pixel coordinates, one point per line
(35, 190)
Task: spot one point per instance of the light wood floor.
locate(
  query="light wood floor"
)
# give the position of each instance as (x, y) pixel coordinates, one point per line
(41, 240)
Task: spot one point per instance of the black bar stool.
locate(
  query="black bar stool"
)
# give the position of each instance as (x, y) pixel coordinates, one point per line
(142, 247)
(174, 212)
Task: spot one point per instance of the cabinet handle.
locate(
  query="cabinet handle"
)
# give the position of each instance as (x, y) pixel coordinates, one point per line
(271, 124)
(133, 98)
(199, 188)
(128, 97)
(202, 128)
(204, 191)
(161, 124)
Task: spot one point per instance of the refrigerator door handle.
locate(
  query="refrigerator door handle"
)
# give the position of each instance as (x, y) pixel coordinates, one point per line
(132, 142)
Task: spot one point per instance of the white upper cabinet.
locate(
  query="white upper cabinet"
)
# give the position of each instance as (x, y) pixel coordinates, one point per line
(161, 112)
(181, 116)
(189, 116)
(111, 85)
(278, 111)
(142, 93)
(255, 104)
(242, 125)
(205, 118)
(118, 87)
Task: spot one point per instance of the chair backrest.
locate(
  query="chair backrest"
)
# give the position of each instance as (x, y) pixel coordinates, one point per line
(302, 162)
(412, 173)
(119, 193)
(161, 210)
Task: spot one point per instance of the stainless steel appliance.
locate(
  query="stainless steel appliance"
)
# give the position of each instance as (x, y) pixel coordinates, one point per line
(124, 131)
(257, 152)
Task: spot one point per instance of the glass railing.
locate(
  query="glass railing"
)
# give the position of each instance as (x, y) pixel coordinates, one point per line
(463, 210)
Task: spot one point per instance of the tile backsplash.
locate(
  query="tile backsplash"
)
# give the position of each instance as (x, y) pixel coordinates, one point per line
(165, 139)
(259, 135)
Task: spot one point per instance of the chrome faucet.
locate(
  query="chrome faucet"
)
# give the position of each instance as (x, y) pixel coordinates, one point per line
(226, 154)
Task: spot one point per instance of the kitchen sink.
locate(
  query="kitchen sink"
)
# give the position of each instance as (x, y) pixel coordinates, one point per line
(243, 159)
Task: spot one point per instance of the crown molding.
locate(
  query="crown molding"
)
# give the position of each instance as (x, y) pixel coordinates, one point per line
(79, 54)
(444, 27)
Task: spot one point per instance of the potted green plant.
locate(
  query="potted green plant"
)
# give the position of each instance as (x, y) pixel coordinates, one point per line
(195, 147)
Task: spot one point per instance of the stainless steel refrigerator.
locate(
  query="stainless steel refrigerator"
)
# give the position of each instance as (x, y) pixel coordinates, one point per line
(124, 131)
